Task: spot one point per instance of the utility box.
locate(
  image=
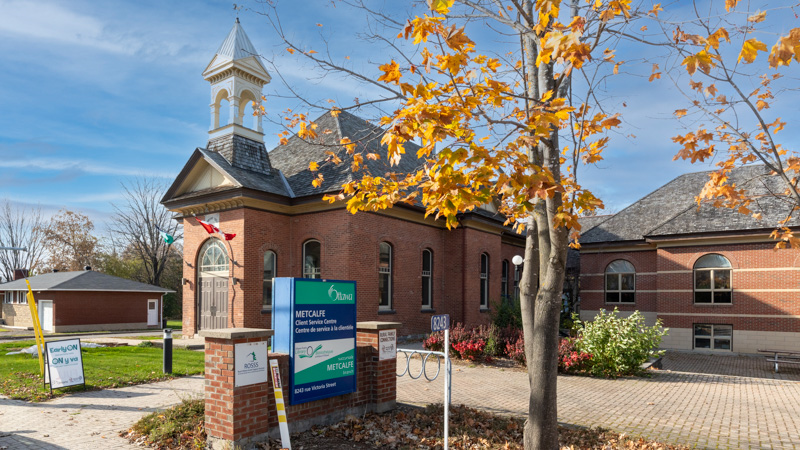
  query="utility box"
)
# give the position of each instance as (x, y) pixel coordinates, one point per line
(315, 323)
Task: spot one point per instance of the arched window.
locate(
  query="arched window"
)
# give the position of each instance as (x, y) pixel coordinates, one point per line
(270, 266)
(385, 275)
(712, 279)
(312, 262)
(427, 279)
(484, 281)
(620, 282)
(213, 257)
(504, 280)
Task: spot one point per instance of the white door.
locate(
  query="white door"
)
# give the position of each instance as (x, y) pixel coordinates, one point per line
(46, 314)
(152, 313)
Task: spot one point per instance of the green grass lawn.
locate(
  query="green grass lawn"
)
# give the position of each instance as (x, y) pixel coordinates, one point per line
(108, 367)
(174, 324)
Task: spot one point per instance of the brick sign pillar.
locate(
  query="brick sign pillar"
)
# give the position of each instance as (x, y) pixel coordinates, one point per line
(235, 416)
(384, 387)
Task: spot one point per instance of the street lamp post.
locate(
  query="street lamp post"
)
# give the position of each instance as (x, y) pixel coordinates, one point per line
(517, 260)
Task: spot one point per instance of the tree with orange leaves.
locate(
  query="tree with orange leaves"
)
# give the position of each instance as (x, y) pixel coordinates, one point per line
(509, 129)
(735, 82)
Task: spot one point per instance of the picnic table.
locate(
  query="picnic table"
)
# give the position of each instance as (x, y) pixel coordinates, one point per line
(783, 357)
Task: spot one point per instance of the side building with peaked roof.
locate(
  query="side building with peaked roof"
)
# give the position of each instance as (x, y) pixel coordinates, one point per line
(407, 266)
(83, 300)
(712, 275)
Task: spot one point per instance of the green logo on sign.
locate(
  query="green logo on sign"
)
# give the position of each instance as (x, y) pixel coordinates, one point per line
(253, 354)
(310, 352)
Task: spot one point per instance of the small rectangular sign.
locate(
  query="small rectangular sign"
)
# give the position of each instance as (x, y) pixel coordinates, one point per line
(64, 363)
(387, 344)
(440, 322)
(250, 363)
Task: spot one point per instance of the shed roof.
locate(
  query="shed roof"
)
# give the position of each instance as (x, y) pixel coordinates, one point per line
(84, 280)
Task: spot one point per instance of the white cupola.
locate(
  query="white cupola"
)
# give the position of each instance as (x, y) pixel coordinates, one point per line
(236, 75)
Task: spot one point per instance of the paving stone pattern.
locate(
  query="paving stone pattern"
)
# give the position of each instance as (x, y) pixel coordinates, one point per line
(88, 420)
(706, 410)
(698, 400)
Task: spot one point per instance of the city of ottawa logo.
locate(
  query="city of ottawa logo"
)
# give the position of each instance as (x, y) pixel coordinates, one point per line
(338, 296)
(310, 352)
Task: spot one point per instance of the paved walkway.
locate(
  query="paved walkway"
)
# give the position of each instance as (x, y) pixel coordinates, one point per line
(88, 420)
(706, 410)
(709, 407)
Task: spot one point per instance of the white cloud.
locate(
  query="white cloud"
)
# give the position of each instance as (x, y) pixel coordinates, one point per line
(82, 166)
(51, 22)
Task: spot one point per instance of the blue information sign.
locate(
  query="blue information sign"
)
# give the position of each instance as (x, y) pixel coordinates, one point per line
(315, 323)
(440, 322)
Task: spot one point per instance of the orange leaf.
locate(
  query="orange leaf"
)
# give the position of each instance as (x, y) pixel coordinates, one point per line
(313, 166)
(391, 73)
(750, 48)
(756, 18)
(680, 113)
(290, 50)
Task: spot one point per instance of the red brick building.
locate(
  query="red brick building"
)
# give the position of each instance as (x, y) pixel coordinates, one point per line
(84, 301)
(711, 275)
(407, 267)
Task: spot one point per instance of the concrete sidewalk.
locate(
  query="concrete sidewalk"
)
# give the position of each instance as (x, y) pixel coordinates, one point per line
(88, 420)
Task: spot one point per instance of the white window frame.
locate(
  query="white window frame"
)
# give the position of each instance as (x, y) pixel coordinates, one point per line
(267, 306)
(427, 274)
(713, 337)
(619, 291)
(713, 290)
(385, 271)
(484, 278)
(315, 272)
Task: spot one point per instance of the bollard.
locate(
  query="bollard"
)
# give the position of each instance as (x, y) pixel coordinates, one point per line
(167, 350)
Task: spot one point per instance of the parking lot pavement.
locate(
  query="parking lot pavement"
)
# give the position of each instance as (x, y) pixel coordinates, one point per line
(700, 408)
(88, 420)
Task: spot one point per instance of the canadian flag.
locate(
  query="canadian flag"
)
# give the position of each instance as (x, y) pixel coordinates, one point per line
(211, 229)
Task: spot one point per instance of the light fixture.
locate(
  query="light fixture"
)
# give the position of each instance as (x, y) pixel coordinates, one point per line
(188, 264)
(517, 260)
(235, 281)
(184, 281)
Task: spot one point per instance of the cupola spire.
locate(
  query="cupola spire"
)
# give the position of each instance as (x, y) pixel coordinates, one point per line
(237, 76)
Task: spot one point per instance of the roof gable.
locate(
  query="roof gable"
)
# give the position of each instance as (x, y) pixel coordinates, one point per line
(87, 280)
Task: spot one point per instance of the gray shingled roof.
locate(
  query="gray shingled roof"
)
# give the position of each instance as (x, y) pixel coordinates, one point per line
(292, 159)
(85, 280)
(673, 210)
(271, 182)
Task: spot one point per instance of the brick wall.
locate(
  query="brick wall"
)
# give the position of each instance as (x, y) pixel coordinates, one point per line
(86, 308)
(350, 252)
(238, 414)
(765, 286)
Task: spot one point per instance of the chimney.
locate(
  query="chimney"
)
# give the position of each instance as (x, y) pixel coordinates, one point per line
(20, 274)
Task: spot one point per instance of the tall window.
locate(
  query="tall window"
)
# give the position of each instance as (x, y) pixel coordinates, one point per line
(385, 275)
(712, 279)
(269, 273)
(504, 280)
(712, 336)
(620, 282)
(484, 281)
(427, 279)
(312, 265)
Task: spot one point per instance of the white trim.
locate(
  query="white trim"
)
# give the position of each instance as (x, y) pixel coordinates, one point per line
(766, 290)
(767, 269)
(762, 316)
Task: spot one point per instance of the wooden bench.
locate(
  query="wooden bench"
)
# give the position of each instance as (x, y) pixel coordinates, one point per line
(783, 357)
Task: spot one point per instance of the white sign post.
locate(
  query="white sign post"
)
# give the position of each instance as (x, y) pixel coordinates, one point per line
(64, 363)
(250, 363)
(441, 322)
(387, 344)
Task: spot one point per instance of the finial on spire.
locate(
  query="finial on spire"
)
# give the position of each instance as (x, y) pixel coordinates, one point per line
(237, 20)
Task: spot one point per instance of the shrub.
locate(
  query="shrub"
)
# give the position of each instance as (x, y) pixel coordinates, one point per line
(515, 347)
(471, 349)
(618, 345)
(570, 359)
(506, 313)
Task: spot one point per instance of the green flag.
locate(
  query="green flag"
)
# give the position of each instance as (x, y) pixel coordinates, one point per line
(168, 238)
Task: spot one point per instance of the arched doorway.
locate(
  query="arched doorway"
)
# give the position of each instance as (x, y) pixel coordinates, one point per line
(213, 281)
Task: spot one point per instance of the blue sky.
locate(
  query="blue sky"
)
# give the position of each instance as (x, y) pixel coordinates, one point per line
(94, 93)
